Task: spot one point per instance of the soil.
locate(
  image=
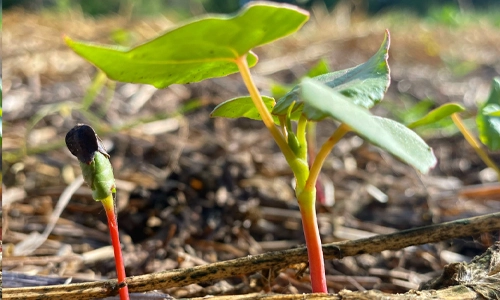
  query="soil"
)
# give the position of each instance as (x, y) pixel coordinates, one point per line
(194, 190)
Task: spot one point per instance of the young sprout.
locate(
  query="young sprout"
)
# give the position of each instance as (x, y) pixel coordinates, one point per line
(192, 52)
(83, 142)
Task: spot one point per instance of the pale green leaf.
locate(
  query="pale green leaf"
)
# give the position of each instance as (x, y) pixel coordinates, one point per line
(395, 138)
(242, 107)
(437, 114)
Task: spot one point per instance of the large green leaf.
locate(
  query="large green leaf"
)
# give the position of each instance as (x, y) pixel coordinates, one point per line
(437, 114)
(488, 121)
(198, 50)
(364, 84)
(242, 107)
(395, 138)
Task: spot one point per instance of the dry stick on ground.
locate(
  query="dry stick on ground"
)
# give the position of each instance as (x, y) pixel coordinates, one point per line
(273, 260)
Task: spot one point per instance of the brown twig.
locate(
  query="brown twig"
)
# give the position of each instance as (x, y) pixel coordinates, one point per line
(273, 260)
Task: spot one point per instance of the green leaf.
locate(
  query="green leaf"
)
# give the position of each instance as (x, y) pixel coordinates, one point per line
(492, 110)
(280, 90)
(395, 138)
(408, 111)
(242, 107)
(488, 120)
(198, 50)
(437, 114)
(319, 69)
(364, 84)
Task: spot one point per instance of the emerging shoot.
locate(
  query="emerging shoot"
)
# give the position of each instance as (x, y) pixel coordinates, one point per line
(83, 142)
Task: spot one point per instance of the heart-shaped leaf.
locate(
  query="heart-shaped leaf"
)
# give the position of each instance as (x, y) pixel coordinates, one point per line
(364, 84)
(488, 120)
(242, 107)
(395, 138)
(198, 50)
(437, 114)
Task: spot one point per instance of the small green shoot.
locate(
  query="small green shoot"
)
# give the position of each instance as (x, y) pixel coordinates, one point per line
(83, 142)
(487, 121)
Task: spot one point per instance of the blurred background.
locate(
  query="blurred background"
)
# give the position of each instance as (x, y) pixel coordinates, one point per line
(194, 190)
(190, 7)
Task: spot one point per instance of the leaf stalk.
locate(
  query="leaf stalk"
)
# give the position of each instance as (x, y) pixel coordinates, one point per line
(469, 137)
(323, 152)
(242, 64)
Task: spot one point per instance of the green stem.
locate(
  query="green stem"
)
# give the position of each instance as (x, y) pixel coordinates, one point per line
(301, 136)
(326, 148)
(313, 241)
(300, 168)
(475, 144)
(242, 64)
(94, 89)
(283, 126)
(109, 207)
(311, 142)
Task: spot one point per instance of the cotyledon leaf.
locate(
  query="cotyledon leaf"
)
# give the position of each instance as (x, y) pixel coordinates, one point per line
(201, 49)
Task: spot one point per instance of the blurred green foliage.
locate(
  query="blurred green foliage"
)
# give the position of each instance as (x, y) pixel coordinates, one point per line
(408, 110)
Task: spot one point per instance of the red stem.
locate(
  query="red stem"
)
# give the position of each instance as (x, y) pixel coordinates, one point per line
(314, 250)
(115, 241)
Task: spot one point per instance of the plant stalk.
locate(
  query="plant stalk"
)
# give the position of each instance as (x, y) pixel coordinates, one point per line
(326, 148)
(300, 169)
(311, 156)
(474, 143)
(307, 206)
(109, 207)
(242, 64)
(301, 136)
